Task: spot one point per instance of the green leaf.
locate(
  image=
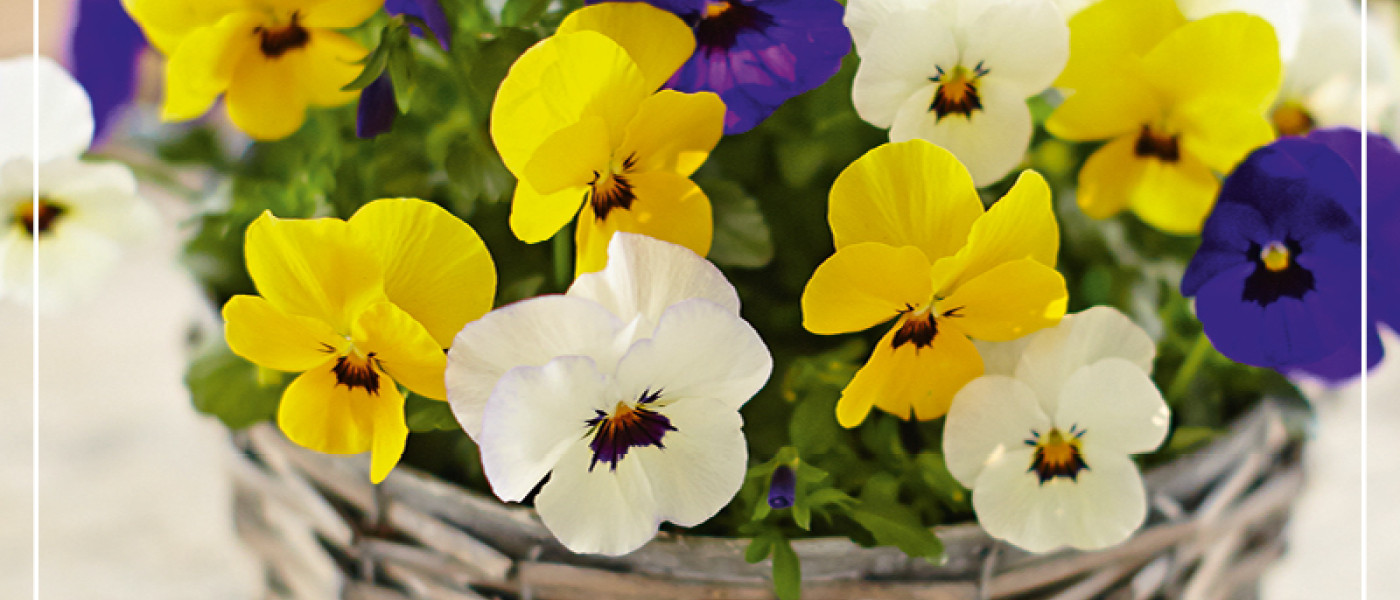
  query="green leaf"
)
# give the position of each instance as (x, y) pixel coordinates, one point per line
(799, 160)
(813, 428)
(742, 238)
(402, 71)
(522, 13)
(230, 388)
(787, 571)
(478, 171)
(526, 287)
(374, 64)
(197, 145)
(894, 525)
(426, 414)
(759, 548)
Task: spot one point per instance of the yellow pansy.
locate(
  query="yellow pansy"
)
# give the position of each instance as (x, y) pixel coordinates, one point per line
(914, 244)
(1178, 102)
(579, 122)
(359, 307)
(271, 58)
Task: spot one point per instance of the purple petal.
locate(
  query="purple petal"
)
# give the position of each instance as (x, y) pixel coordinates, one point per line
(103, 53)
(782, 488)
(430, 11)
(377, 110)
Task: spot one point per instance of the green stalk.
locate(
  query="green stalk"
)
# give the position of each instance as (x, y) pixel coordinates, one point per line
(563, 253)
(1189, 367)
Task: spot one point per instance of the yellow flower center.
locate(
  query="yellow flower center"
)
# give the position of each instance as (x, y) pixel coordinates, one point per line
(611, 189)
(1290, 118)
(37, 221)
(715, 9)
(1154, 143)
(274, 41)
(355, 371)
(1275, 256)
(1057, 454)
(629, 426)
(957, 91)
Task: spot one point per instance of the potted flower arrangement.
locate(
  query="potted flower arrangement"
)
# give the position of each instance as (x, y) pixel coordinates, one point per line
(744, 298)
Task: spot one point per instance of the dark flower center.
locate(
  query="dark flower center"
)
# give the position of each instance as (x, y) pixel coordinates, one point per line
(1057, 454)
(275, 41)
(612, 190)
(723, 21)
(355, 372)
(629, 426)
(957, 91)
(1276, 273)
(1290, 118)
(918, 330)
(39, 220)
(1158, 145)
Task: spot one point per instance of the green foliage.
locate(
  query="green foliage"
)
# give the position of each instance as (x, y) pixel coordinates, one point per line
(236, 391)
(426, 414)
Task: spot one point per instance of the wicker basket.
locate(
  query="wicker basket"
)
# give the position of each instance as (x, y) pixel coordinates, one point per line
(322, 531)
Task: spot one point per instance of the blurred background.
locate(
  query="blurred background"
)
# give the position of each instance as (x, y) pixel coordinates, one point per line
(133, 494)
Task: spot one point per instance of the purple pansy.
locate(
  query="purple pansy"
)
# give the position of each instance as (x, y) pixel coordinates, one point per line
(1277, 275)
(782, 488)
(756, 54)
(103, 53)
(377, 110)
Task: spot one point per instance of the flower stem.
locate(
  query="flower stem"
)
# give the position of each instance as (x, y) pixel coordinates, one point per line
(1194, 359)
(562, 244)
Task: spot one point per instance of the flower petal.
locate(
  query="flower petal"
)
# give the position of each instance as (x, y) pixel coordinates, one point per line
(600, 511)
(1110, 177)
(1022, 42)
(903, 53)
(328, 62)
(1020, 225)
(990, 417)
(65, 122)
(700, 351)
(268, 337)
(569, 158)
(863, 285)
(435, 266)
(1106, 108)
(1231, 54)
(863, 17)
(1175, 197)
(390, 434)
(336, 14)
(320, 414)
(1081, 339)
(1008, 301)
(401, 348)
(527, 333)
(910, 379)
(1116, 405)
(166, 23)
(645, 276)
(535, 415)
(536, 217)
(264, 98)
(1110, 37)
(905, 194)
(702, 465)
(312, 268)
(990, 142)
(668, 207)
(657, 40)
(674, 132)
(1221, 132)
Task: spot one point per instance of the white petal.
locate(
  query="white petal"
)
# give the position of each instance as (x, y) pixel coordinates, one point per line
(73, 261)
(1079, 340)
(645, 275)
(989, 143)
(600, 511)
(699, 351)
(903, 54)
(863, 17)
(1019, 40)
(702, 465)
(1285, 15)
(991, 417)
(1068, 8)
(534, 415)
(17, 265)
(1101, 508)
(1001, 358)
(527, 333)
(1117, 406)
(65, 114)
(100, 195)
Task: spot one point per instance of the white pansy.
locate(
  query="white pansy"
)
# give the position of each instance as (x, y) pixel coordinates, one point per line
(625, 391)
(957, 73)
(1046, 448)
(87, 212)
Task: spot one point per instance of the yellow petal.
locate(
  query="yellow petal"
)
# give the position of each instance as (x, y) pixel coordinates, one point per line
(312, 268)
(863, 285)
(336, 14)
(319, 413)
(1020, 225)
(674, 131)
(1231, 54)
(554, 83)
(668, 207)
(167, 22)
(326, 64)
(1105, 108)
(910, 381)
(570, 157)
(1008, 301)
(402, 349)
(1108, 178)
(202, 65)
(390, 436)
(1221, 133)
(435, 266)
(1175, 197)
(1109, 37)
(268, 337)
(659, 41)
(265, 99)
(536, 217)
(905, 194)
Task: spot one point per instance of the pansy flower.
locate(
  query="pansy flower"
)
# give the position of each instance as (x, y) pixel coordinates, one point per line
(358, 308)
(957, 73)
(1322, 83)
(104, 50)
(580, 124)
(1044, 440)
(913, 244)
(624, 392)
(1277, 275)
(80, 215)
(756, 54)
(1178, 103)
(270, 58)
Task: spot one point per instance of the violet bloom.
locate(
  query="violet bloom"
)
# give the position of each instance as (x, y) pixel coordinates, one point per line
(756, 54)
(1277, 275)
(102, 54)
(782, 489)
(377, 110)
